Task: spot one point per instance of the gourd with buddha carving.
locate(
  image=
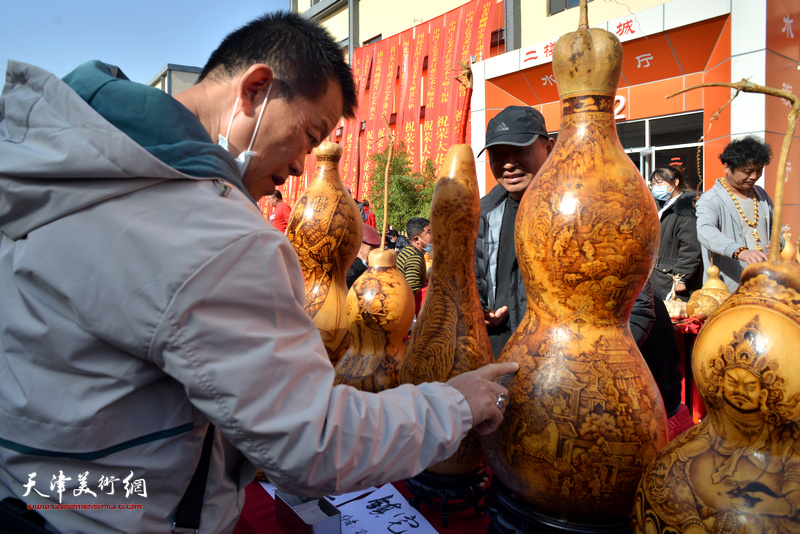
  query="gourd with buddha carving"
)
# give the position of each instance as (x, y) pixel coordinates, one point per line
(739, 469)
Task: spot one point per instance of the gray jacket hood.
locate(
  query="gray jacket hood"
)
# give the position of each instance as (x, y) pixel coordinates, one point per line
(48, 172)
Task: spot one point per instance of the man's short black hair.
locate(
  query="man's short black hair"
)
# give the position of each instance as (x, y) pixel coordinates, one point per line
(415, 226)
(746, 151)
(277, 194)
(302, 54)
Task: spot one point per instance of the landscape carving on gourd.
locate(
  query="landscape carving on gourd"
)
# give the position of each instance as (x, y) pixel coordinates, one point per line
(325, 229)
(585, 415)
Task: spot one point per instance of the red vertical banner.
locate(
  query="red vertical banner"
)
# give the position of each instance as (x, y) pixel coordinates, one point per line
(410, 110)
(387, 98)
(485, 14)
(466, 46)
(352, 127)
(264, 207)
(373, 112)
(445, 93)
(406, 58)
(436, 37)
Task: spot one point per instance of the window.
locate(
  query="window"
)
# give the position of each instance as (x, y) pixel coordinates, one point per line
(372, 40)
(557, 6)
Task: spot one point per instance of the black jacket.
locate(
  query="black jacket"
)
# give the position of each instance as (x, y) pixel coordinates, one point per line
(680, 250)
(486, 250)
(655, 336)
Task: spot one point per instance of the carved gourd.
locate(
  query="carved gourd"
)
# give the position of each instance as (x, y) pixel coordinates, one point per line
(380, 309)
(585, 415)
(789, 251)
(325, 229)
(708, 298)
(450, 334)
(739, 469)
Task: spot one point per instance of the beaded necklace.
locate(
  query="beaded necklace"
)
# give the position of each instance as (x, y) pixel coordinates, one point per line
(746, 220)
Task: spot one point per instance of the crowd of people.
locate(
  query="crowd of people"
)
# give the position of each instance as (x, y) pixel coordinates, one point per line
(153, 324)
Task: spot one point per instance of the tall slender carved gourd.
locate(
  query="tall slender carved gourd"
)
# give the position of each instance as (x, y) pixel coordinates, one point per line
(450, 335)
(585, 415)
(380, 309)
(325, 229)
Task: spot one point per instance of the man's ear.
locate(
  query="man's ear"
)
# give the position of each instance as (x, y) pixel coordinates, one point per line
(726, 168)
(252, 87)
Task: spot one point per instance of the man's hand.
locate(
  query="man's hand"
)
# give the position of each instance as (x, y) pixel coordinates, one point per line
(752, 256)
(680, 288)
(497, 317)
(481, 394)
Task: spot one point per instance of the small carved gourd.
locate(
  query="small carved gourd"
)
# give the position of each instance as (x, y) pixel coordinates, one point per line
(789, 251)
(708, 298)
(738, 470)
(325, 229)
(380, 309)
(585, 415)
(450, 334)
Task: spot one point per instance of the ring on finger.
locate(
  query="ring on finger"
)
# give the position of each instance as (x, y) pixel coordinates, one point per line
(502, 401)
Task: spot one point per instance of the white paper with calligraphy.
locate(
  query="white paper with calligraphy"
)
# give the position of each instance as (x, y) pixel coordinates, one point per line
(384, 511)
(336, 500)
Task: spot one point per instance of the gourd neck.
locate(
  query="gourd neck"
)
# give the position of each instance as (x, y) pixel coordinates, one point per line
(589, 108)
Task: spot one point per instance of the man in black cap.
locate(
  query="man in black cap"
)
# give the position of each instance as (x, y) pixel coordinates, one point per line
(517, 145)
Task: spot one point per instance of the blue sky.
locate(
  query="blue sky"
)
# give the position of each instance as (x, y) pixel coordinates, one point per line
(139, 36)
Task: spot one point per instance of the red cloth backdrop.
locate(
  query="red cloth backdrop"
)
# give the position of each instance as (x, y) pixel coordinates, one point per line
(383, 95)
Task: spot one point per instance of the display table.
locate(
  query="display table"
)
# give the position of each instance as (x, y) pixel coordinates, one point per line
(258, 515)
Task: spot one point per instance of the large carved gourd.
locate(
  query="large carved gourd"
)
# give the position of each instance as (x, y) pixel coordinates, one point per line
(325, 229)
(737, 471)
(585, 415)
(380, 309)
(450, 334)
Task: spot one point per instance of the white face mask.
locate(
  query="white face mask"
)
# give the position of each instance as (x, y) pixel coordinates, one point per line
(243, 159)
(662, 192)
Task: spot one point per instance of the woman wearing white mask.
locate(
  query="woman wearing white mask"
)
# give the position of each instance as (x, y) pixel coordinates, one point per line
(679, 253)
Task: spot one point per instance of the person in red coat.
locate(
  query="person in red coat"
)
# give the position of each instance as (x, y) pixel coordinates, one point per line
(369, 216)
(280, 211)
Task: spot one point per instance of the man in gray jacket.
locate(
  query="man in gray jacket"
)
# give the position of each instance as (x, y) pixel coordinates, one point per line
(144, 296)
(734, 218)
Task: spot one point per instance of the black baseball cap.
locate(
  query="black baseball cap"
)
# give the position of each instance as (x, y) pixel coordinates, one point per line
(516, 126)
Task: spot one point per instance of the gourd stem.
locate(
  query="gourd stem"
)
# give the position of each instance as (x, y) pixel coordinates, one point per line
(386, 186)
(583, 22)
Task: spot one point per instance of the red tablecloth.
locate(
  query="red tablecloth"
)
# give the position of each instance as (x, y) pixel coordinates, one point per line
(258, 515)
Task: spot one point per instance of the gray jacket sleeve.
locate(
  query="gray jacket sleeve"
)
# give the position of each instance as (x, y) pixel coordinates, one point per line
(251, 360)
(710, 210)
